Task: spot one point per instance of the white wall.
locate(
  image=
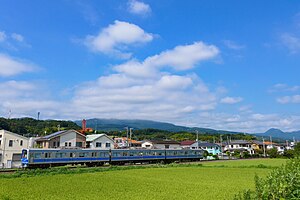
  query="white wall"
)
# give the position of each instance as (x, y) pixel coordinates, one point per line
(103, 140)
(68, 137)
(8, 151)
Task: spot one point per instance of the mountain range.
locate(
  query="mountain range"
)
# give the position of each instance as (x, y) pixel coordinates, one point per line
(120, 124)
(277, 133)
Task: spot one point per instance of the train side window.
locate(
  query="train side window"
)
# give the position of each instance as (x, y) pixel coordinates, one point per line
(124, 154)
(131, 153)
(47, 155)
(37, 155)
(58, 155)
(72, 155)
(81, 155)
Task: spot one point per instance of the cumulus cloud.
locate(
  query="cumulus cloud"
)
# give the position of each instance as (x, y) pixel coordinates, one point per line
(10, 66)
(289, 99)
(281, 87)
(17, 37)
(117, 38)
(143, 89)
(290, 41)
(231, 100)
(182, 57)
(138, 7)
(233, 45)
(2, 36)
(21, 98)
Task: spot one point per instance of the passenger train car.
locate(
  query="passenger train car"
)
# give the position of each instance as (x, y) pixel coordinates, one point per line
(35, 158)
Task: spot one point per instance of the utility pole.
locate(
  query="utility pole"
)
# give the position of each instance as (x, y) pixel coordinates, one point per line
(221, 145)
(264, 147)
(130, 130)
(197, 132)
(38, 116)
(126, 135)
(271, 141)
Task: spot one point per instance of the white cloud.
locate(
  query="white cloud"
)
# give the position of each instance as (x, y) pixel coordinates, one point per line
(11, 66)
(184, 57)
(138, 7)
(117, 38)
(2, 36)
(233, 45)
(281, 87)
(231, 100)
(17, 37)
(291, 42)
(144, 90)
(289, 99)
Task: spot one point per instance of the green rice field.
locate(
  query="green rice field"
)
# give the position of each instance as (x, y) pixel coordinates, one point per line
(210, 180)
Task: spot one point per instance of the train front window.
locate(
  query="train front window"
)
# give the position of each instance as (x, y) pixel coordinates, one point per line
(24, 154)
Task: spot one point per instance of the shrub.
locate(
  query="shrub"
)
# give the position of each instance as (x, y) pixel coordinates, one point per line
(281, 183)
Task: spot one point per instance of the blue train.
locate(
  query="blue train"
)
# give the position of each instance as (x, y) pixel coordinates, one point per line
(42, 158)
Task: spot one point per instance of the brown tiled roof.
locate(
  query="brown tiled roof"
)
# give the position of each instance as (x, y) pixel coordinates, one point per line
(187, 142)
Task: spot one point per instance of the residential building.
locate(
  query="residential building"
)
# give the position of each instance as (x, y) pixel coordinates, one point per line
(211, 148)
(122, 142)
(239, 145)
(11, 145)
(62, 139)
(161, 144)
(99, 141)
(187, 144)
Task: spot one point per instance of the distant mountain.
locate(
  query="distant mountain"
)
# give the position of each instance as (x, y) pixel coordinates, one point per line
(120, 124)
(277, 133)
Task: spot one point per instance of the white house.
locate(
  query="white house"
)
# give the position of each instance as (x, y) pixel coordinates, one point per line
(99, 141)
(239, 145)
(162, 144)
(11, 145)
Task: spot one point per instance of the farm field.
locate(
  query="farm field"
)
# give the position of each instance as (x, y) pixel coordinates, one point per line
(213, 180)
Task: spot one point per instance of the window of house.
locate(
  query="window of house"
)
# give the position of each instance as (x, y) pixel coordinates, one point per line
(10, 144)
(21, 142)
(57, 144)
(54, 143)
(70, 144)
(98, 144)
(167, 146)
(78, 144)
(66, 144)
(107, 145)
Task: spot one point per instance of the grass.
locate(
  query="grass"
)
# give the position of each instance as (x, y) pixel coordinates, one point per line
(213, 180)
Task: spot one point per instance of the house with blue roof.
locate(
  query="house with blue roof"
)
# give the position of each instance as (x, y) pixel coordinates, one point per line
(62, 139)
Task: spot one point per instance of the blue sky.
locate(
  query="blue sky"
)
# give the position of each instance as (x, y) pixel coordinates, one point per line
(230, 65)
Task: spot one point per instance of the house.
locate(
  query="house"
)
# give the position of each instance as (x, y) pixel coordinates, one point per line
(211, 148)
(187, 144)
(239, 145)
(99, 141)
(121, 142)
(161, 144)
(62, 139)
(11, 145)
